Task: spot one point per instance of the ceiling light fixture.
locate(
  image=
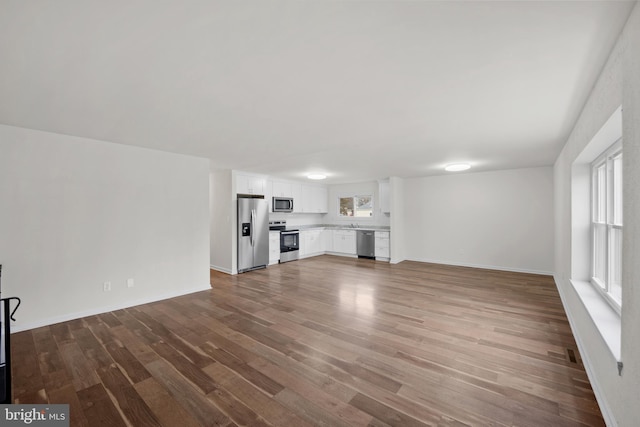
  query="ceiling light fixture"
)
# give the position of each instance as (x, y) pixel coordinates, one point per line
(457, 167)
(316, 176)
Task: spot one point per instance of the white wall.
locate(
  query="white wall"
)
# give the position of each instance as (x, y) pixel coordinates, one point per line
(501, 219)
(77, 212)
(355, 189)
(618, 84)
(397, 222)
(222, 220)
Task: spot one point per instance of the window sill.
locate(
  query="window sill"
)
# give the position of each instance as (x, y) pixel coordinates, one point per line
(606, 319)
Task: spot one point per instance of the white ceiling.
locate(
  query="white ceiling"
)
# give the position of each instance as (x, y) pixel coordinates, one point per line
(357, 89)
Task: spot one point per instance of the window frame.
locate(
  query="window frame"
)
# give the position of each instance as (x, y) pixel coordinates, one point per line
(354, 217)
(606, 221)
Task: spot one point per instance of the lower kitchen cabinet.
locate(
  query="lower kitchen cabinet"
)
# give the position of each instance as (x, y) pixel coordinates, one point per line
(274, 247)
(318, 241)
(311, 243)
(344, 242)
(382, 245)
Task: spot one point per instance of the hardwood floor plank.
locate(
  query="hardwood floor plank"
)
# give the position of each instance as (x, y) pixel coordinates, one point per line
(47, 350)
(165, 407)
(110, 319)
(238, 412)
(84, 375)
(384, 412)
(191, 398)
(137, 328)
(342, 411)
(134, 370)
(247, 372)
(308, 409)
(58, 379)
(101, 332)
(270, 409)
(98, 408)
(185, 367)
(26, 374)
(136, 344)
(61, 332)
(37, 397)
(95, 353)
(67, 395)
(129, 401)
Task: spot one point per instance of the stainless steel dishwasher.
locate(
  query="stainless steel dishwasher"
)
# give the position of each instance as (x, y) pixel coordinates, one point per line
(366, 244)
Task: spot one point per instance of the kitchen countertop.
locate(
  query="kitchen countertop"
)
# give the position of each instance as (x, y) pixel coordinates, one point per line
(343, 227)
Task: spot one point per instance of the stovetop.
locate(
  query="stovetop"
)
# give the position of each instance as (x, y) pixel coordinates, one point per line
(280, 226)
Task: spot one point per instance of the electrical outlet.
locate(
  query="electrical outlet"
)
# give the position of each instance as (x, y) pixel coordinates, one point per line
(130, 283)
(106, 286)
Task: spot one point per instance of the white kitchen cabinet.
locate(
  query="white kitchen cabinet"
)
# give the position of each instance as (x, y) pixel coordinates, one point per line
(314, 199)
(382, 244)
(302, 252)
(306, 199)
(327, 240)
(344, 242)
(296, 193)
(311, 243)
(282, 189)
(321, 196)
(274, 247)
(250, 184)
(315, 242)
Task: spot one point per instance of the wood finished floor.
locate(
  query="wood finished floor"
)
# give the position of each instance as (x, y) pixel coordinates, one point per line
(323, 341)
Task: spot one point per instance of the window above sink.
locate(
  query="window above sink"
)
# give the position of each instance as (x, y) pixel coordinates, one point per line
(355, 206)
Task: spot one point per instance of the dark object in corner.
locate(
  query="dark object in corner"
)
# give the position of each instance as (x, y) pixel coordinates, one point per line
(6, 315)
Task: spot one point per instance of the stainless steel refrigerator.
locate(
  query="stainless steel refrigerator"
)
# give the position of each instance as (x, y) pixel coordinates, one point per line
(253, 233)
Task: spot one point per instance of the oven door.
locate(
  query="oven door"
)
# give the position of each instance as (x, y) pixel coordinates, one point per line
(289, 241)
(289, 245)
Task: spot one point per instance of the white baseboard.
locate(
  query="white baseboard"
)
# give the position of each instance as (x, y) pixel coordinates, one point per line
(341, 254)
(484, 266)
(221, 269)
(313, 254)
(106, 309)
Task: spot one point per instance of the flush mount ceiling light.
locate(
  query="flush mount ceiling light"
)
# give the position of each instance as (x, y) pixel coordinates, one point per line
(457, 167)
(316, 176)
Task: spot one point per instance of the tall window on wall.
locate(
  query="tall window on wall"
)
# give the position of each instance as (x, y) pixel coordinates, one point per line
(606, 223)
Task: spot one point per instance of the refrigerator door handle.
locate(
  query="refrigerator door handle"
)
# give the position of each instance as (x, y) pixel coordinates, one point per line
(253, 227)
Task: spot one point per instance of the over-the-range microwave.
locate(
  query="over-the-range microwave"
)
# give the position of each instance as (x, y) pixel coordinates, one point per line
(282, 204)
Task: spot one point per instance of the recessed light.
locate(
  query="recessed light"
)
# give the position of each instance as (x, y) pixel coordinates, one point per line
(457, 167)
(316, 176)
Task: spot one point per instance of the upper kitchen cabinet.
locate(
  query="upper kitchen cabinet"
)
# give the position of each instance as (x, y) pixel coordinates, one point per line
(315, 199)
(282, 189)
(296, 193)
(322, 199)
(250, 184)
(384, 196)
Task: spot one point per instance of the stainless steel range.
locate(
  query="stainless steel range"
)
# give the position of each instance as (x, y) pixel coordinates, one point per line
(289, 240)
